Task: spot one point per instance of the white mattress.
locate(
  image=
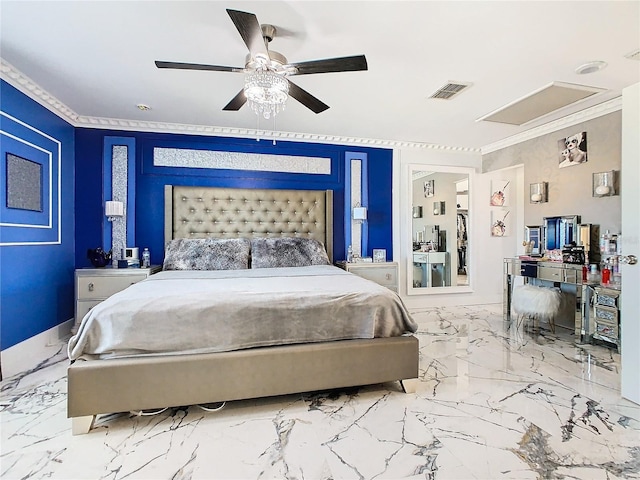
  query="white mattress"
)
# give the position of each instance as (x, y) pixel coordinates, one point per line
(182, 312)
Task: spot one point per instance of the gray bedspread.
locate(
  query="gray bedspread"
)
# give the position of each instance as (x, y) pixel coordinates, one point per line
(181, 312)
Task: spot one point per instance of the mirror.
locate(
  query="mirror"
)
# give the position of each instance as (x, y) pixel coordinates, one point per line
(438, 257)
(560, 231)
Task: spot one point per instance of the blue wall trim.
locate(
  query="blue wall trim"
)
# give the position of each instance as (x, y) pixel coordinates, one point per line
(365, 202)
(348, 234)
(364, 198)
(107, 187)
(107, 164)
(131, 190)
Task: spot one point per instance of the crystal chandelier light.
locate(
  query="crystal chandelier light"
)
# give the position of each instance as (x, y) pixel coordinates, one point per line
(266, 92)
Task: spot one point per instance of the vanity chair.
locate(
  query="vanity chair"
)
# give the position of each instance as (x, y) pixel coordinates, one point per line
(536, 303)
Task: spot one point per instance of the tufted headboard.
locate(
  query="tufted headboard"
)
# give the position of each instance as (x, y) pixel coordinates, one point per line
(198, 212)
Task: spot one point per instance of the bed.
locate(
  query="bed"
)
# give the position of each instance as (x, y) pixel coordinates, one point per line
(100, 381)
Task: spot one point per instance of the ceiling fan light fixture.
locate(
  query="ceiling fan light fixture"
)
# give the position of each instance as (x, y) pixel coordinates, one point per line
(266, 92)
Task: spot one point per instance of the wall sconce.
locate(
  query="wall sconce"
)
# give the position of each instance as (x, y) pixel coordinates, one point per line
(604, 184)
(438, 208)
(113, 210)
(416, 212)
(539, 192)
(359, 213)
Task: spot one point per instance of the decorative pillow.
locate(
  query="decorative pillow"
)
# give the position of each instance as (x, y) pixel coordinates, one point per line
(207, 254)
(287, 252)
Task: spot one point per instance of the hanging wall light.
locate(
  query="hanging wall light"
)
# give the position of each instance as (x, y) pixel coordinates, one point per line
(113, 210)
(604, 184)
(359, 213)
(539, 192)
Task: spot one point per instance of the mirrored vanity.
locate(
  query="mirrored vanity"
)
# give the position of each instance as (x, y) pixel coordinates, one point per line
(439, 258)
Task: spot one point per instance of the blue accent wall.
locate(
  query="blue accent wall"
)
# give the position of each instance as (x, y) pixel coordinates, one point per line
(379, 197)
(150, 181)
(37, 259)
(37, 263)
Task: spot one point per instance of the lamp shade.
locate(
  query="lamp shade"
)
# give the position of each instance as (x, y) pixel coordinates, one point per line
(360, 213)
(114, 209)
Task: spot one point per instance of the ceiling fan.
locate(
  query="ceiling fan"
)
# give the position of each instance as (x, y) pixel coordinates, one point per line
(266, 82)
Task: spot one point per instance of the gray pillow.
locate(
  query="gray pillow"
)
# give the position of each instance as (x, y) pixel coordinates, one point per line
(207, 254)
(287, 252)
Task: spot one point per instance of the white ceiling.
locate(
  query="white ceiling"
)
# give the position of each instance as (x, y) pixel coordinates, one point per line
(97, 58)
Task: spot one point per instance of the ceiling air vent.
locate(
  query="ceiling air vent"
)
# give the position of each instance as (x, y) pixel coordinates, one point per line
(450, 90)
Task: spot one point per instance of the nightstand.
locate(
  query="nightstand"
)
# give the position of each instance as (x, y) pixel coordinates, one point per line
(383, 273)
(93, 285)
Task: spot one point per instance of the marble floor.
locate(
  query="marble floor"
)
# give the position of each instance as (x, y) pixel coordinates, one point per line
(491, 403)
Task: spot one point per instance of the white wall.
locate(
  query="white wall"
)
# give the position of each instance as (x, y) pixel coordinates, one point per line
(493, 250)
(569, 188)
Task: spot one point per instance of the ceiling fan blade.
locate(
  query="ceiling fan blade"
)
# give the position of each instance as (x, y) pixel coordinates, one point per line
(197, 66)
(305, 98)
(340, 64)
(250, 31)
(236, 102)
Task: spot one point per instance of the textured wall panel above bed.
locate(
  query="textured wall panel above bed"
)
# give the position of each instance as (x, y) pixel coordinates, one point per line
(199, 212)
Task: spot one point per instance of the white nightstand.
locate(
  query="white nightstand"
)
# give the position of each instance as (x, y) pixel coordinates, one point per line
(383, 273)
(93, 285)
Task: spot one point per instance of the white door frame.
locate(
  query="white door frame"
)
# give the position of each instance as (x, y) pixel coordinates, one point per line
(630, 302)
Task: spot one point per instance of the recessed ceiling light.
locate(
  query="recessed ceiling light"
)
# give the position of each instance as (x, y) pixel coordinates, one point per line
(143, 107)
(590, 67)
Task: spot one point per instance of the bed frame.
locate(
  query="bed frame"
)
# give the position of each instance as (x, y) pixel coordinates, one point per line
(120, 385)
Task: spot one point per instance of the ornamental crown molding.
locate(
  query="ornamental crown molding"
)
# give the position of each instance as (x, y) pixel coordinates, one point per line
(16, 78)
(27, 86)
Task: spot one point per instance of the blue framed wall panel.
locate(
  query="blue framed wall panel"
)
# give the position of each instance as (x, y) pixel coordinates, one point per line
(26, 227)
(242, 146)
(15, 217)
(107, 187)
(37, 264)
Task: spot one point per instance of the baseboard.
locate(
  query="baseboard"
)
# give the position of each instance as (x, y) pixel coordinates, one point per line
(31, 352)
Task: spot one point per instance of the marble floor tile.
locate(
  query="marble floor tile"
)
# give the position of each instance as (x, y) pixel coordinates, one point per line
(491, 403)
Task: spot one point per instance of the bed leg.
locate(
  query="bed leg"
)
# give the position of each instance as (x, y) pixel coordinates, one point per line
(409, 385)
(82, 425)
